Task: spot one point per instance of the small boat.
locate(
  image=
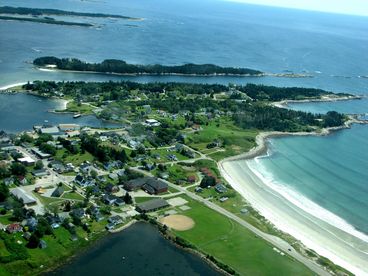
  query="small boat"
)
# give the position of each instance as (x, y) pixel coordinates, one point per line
(76, 116)
(46, 121)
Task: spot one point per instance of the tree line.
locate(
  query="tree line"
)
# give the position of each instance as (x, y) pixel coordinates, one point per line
(122, 67)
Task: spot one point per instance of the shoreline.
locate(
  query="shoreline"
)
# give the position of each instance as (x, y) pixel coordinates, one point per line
(63, 102)
(275, 75)
(347, 250)
(285, 103)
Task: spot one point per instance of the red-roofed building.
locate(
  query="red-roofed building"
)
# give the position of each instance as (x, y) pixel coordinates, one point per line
(191, 178)
(14, 228)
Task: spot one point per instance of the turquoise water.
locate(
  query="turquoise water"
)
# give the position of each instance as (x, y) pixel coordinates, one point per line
(331, 171)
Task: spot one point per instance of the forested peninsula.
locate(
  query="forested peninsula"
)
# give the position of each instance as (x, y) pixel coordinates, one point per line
(46, 20)
(121, 67)
(42, 12)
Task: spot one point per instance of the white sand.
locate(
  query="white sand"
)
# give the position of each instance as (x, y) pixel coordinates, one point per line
(11, 85)
(327, 240)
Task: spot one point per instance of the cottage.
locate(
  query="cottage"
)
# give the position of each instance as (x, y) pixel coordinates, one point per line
(85, 168)
(198, 190)
(55, 225)
(27, 235)
(78, 213)
(115, 219)
(119, 202)
(109, 199)
(110, 188)
(22, 180)
(101, 178)
(14, 228)
(58, 192)
(164, 175)
(223, 199)
(58, 167)
(42, 244)
(31, 223)
(172, 157)
(110, 226)
(152, 123)
(8, 181)
(220, 188)
(152, 205)
(84, 182)
(113, 176)
(191, 179)
(149, 167)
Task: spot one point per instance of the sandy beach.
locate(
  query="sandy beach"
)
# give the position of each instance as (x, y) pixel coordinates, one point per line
(315, 227)
(6, 87)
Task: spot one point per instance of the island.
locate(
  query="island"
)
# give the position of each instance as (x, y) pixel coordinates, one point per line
(42, 12)
(62, 187)
(121, 67)
(43, 16)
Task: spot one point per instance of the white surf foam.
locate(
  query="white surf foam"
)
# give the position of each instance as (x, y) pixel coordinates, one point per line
(301, 201)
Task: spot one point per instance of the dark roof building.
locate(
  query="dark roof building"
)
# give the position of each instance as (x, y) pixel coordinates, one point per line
(155, 186)
(135, 184)
(220, 188)
(58, 192)
(152, 205)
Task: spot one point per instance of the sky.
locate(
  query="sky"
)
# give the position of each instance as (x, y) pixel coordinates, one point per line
(354, 7)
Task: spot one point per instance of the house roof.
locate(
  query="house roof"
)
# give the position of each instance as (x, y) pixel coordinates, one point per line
(156, 184)
(58, 192)
(22, 195)
(152, 205)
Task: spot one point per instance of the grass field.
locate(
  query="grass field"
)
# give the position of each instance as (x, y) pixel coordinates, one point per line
(234, 139)
(142, 199)
(75, 159)
(59, 248)
(236, 246)
(73, 196)
(82, 109)
(4, 219)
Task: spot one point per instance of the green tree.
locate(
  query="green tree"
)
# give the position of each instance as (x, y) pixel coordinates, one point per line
(128, 199)
(38, 165)
(18, 169)
(4, 192)
(208, 181)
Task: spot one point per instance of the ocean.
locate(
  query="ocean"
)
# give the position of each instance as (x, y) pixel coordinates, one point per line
(331, 171)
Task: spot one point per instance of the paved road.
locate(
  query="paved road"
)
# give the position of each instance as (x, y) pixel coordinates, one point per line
(275, 241)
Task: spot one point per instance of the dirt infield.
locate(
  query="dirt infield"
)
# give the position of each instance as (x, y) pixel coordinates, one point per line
(178, 222)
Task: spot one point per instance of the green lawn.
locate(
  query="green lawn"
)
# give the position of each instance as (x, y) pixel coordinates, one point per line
(236, 246)
(4, 219)
(235, 140)
(47, 200)
(73, 196)
(59, 248)
(75, 159)
(82, 109)
(142, 199)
